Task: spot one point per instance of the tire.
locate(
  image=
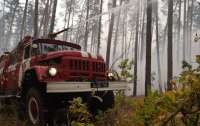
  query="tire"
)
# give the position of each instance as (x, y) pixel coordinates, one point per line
(108, 100)
(34, 108)
(95, 104)
(61, 118)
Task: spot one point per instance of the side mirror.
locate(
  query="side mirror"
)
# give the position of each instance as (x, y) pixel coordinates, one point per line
(34, 46)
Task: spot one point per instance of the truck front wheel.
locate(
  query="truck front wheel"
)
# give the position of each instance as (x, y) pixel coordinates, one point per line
(102, 101)
(34, 107)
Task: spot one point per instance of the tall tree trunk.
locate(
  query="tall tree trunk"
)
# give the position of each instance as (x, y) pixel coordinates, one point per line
(72, 26)
(86, 27)
(79, 24)
(35, 34)
(187, 30)
(136, 50)
(148, 48)
(43, 16)
(116, 33)
(2, 31)
(184, 31)
(179, 34)
(24, 20)
(190, 31)
(65, 22)
(52, 24)
(142, 48)
(110, 35)
(46, 19)
(13, 12)
(99, 30)
(170, 44)
(69, 17)
(125, 33)
(158, 48)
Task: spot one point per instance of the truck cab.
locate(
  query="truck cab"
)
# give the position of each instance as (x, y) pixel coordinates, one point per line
(45, 74)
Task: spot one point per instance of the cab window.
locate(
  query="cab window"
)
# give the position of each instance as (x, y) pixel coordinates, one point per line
(35, 50)
(27, 52)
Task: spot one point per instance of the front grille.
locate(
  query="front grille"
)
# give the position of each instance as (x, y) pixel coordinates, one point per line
(81, 69)
(98, 67)
(79, 65)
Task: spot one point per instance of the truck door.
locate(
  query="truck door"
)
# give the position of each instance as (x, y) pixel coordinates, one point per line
(25, 64)
(26, 58)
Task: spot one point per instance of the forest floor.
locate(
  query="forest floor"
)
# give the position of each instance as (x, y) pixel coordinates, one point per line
(123, 114)
(8, 115)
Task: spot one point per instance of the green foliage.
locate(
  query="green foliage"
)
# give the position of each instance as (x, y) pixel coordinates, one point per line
(126, 67)
(180, 106)
(78, 112)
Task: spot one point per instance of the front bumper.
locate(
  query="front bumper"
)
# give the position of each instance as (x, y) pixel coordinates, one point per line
(75, 87)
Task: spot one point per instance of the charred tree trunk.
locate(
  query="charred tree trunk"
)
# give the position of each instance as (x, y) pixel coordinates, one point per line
(35, 34)
(170, 44)
(52, 24)
(110, 36)
(148, 47)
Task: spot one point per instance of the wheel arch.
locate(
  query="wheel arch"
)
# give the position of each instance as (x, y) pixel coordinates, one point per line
(30, 80)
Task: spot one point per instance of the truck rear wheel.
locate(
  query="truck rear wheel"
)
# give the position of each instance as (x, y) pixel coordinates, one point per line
(34, 107)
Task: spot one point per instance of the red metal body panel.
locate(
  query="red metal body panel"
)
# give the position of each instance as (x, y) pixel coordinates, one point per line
(71, 65)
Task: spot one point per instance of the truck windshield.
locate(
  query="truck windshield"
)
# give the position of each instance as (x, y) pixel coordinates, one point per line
(44, 48)
(54, 47)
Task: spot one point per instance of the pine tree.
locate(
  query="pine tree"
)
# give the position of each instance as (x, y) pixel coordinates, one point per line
(110, 32)
(148, 47)
(24, 20)
(36, 19)
(170, 44)
(52, 24)
(136, 50)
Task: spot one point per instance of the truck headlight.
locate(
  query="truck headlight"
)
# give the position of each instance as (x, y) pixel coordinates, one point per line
(110, 74)
(113, 76)
(52, 71)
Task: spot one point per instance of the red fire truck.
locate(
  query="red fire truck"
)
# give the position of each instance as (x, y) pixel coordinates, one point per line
(45, 74)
